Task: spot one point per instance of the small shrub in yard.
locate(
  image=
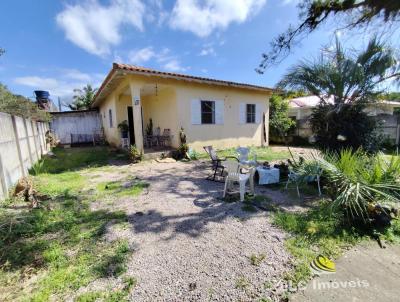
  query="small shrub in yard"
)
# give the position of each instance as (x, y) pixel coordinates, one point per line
(38, 168)
(135, 155)
(257, 259)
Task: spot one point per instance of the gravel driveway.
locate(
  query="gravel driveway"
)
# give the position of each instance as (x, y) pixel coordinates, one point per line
(191, 246)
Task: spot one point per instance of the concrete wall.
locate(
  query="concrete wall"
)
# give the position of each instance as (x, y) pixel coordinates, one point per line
(74, 122)
(388, 125)
(22, 143)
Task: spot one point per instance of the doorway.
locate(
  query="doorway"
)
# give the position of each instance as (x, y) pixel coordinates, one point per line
(131, 126)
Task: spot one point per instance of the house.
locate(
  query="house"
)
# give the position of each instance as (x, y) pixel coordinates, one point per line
(212, 112)
(301, 108)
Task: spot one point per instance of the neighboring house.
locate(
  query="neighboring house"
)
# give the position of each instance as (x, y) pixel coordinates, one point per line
(301, 108)
(212, 112)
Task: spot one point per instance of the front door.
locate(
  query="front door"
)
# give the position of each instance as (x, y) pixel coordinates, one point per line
(131, 126)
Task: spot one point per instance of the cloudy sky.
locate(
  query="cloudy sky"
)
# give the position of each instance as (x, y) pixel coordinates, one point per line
(62, 45)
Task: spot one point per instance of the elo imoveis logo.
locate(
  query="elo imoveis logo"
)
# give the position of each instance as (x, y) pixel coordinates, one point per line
(323, 265)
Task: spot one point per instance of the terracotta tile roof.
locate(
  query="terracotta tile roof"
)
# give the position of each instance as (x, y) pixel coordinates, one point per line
(144, 70)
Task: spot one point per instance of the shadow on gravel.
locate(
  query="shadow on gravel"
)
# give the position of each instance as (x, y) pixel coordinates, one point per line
(187, 186)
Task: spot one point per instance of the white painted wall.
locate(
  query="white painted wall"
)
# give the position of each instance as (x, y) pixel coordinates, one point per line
(65, 124)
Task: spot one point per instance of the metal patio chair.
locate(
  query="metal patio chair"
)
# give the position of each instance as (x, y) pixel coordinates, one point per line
(216, 162)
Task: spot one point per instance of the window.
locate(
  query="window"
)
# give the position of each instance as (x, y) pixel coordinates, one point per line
(207, 112)
(110, 117)
(250, 113)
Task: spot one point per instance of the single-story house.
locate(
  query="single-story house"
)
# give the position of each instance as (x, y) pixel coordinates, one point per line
(300, 110)
(301, 107)
(211, 112)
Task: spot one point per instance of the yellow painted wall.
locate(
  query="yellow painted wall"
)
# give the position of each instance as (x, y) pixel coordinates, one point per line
(171, 108)
(161, 108)
(231, 133)
(111, 133)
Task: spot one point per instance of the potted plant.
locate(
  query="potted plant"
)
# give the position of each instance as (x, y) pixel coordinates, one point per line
(124, 128)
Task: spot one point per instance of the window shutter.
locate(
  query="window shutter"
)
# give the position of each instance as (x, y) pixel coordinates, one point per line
(196, 112)
(258, 113)
(219, 112)
(242, 113)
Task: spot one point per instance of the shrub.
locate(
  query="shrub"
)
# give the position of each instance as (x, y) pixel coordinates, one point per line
(365, 187)
(134, 154)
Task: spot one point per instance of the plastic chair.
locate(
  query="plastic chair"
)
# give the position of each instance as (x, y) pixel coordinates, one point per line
(293, 177)
(233, 175)
(243, 153)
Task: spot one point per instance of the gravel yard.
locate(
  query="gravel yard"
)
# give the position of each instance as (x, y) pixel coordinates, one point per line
(189, 245)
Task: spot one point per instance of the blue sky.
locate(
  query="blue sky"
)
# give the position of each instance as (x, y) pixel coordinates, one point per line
(62, 45)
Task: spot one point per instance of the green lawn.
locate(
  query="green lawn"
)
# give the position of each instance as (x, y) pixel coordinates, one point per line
(49, 252)
(321, 231)
(262, 153)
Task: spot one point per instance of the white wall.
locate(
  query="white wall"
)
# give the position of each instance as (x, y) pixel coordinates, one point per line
(22, 143)
(65, 124)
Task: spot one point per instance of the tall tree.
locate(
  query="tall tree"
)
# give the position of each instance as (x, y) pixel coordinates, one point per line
(314, 13)
(83, 98)
(346, 82)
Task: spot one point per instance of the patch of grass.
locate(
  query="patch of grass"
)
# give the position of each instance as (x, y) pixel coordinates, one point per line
(242, 283)
(249, 208)
(77, 158)
(129, 187)
(256, 259)
(263, 154)
(48, 253)
(110, 295)
(318, 231)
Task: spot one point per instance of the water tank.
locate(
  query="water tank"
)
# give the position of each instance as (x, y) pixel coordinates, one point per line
(42, 94)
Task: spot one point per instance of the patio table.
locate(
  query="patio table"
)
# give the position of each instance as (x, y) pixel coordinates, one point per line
(267, 175)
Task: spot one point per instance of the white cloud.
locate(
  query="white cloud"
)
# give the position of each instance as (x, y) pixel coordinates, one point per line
(149, 56)
(203, 18)
(95, 27)
(174, 65)
(141, 56)
(63, 84)
(289, 2)
(36, 82)
(75, 74)
(207, 50)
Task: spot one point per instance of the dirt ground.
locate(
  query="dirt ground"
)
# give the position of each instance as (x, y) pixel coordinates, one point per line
(189, 244)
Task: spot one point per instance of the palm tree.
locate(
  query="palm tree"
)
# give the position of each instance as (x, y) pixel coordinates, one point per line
(83, 98)
(346, 82)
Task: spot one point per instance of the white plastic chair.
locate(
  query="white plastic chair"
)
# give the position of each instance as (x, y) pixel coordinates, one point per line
(233, 175)
(244, 153)
(293, 177)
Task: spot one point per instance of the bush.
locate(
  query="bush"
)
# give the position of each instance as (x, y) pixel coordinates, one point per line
(350, 127)
(365, 187)
(134, 154)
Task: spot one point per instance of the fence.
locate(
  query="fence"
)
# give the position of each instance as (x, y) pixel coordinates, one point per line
(75, 126)
(22, 143)
(388, 125)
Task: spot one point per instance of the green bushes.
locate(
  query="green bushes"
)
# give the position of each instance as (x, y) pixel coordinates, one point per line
(366, 187)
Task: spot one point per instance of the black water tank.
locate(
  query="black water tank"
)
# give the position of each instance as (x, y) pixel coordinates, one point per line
(42, 94)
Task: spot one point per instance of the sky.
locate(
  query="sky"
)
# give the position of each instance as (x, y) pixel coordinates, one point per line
(62, 45)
